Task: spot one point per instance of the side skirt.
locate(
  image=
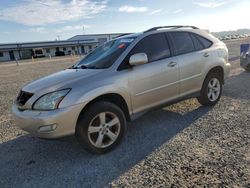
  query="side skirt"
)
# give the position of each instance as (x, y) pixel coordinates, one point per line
(139, 114)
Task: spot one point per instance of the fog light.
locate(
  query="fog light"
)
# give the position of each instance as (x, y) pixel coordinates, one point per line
(47, 128)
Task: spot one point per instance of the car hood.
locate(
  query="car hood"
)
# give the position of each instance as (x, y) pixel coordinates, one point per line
(60, 80)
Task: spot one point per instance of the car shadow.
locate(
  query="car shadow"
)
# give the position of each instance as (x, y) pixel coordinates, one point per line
(31, 162)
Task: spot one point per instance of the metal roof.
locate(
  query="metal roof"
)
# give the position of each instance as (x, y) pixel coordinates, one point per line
(91, 35)
(44, 44)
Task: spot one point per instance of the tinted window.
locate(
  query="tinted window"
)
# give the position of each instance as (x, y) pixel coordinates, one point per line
(155, 46)
(105, 55)
(197, 43)
(205, 42)
(183, 42)
(1, 54)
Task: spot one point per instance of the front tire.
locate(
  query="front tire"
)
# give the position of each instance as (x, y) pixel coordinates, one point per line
(211, 90)
(101, 127)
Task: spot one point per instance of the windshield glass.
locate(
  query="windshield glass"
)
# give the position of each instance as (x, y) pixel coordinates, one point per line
(105, 55)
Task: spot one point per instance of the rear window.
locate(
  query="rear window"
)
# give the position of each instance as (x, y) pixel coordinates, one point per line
(183, 42)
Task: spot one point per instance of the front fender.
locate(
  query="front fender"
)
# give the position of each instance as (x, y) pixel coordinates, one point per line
(85, 97)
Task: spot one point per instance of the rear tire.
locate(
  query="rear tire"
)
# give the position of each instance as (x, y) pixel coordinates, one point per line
(101, 127)
(211, 90)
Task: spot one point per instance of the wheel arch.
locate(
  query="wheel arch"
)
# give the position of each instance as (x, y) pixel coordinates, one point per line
(114, 98)
(217, 69)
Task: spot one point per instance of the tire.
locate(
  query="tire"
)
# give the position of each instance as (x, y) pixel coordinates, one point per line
(101, 127)
(211, 90)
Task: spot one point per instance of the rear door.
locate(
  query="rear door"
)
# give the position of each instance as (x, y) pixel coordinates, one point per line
(192, 56)
(157, 81)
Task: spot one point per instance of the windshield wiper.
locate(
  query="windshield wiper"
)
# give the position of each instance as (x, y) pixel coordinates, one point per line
(84, 67)
(93, 67)
(79, 67)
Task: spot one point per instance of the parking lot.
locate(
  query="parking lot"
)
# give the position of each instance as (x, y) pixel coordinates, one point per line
(182, 145)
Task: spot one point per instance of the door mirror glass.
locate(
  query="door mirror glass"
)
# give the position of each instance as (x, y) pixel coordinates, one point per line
(138, 59)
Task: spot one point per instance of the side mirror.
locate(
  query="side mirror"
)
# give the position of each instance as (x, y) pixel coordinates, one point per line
(138, 59)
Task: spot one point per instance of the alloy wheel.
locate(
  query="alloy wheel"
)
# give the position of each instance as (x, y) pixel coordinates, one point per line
(214, 89)
(104, 129)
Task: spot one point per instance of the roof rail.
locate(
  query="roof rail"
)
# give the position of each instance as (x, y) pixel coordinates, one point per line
(122, 35)
(172, 26)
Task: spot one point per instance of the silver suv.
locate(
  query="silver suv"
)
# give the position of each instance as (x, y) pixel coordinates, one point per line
(119, 80)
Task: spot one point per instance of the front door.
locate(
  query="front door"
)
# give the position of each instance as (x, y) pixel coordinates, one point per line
(157, 81)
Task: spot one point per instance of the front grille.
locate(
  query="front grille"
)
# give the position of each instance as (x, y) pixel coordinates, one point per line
(23, 97)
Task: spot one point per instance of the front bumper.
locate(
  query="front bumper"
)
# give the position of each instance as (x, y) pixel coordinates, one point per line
(62, 120)
(245, 62)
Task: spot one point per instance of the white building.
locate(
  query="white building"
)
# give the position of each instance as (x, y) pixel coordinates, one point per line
(79, 44)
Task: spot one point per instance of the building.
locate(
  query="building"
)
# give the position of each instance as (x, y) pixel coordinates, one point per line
(79, 44)
(100, 38)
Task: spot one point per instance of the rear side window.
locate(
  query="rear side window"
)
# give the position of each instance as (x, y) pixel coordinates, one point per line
(205, 42)
(197, 43)
(183, 42)
(155, 46)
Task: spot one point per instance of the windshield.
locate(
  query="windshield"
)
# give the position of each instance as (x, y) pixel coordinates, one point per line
(105, 55)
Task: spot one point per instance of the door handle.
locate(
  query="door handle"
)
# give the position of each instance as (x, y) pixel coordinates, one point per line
(206, 54)
(172, 64)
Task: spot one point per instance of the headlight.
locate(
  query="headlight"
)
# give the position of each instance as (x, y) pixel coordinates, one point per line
(50, 101)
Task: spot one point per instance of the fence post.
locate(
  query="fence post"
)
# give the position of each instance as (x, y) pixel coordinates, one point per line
(17, 63)
(71, 57)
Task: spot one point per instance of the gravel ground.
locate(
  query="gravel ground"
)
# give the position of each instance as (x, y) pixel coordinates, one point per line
(183, 145)
(12, 78)
(213, 151)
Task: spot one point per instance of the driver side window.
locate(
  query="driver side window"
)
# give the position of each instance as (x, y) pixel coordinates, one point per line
(155, 46)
